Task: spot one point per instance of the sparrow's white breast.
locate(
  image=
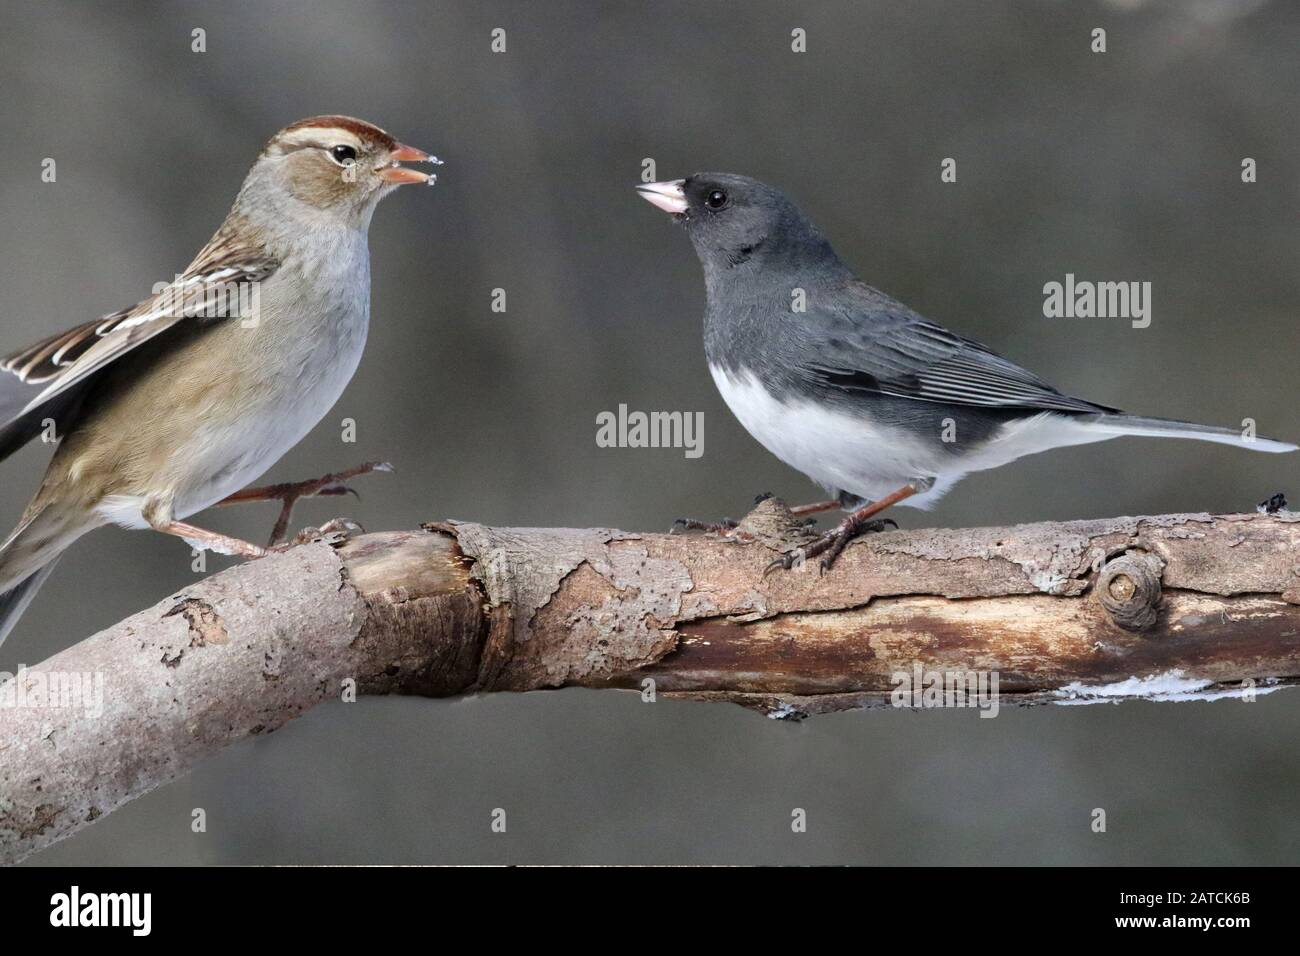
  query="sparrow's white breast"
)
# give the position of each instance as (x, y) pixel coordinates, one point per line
(294, 364)
(320, 341)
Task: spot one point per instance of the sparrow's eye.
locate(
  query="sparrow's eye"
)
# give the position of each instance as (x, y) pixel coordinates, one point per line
(343, 155)
(716, 199)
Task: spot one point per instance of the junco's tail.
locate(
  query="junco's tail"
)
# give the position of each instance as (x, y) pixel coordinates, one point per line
(26, 559)
(1166, 428)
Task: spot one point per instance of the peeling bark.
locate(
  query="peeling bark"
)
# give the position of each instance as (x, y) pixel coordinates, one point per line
(1168, 607)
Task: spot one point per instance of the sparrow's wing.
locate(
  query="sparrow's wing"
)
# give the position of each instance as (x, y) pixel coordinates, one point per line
(51, 375)
(869, 343)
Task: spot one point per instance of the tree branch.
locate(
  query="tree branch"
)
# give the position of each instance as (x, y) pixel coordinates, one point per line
(1165, 607)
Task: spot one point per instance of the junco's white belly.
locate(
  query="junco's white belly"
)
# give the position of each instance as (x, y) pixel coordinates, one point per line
(838, 451)
(843, 452)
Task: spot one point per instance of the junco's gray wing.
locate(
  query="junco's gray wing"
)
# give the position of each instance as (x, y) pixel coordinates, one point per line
(48, 378)
(865, 342)
(862, 345)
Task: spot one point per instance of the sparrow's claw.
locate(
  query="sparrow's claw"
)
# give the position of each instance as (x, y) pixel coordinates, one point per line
(290, 492)
(331, 532)
(334, 490)
(336, 529)
(330, 484)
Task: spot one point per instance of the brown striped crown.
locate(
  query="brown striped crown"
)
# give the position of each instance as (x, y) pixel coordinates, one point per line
(366, 132)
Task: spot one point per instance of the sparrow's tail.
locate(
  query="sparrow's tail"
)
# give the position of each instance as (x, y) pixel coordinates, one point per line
(14, 601)
(1165, 428)
(26, 559)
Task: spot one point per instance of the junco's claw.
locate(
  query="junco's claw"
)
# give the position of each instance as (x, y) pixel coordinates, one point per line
(830, 545)
(785, 562)
(833, 552)
(1272, 505)
(717, 527)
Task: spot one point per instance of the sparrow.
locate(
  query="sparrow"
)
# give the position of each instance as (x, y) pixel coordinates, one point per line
(175, 404)
(870, 400)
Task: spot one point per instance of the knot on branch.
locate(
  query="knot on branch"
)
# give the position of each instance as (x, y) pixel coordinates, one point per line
(772, 522)
(1129, 589)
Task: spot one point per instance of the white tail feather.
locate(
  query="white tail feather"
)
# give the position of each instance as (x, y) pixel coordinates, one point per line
(1161, 428)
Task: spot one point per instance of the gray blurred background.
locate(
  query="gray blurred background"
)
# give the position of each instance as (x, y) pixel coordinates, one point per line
(1122, 166)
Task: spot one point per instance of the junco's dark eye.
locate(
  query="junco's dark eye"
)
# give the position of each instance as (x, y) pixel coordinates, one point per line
(716, 199)
(343, 155)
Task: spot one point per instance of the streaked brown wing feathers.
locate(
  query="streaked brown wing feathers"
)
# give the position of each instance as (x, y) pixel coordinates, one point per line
(47, 359)
(212, 287)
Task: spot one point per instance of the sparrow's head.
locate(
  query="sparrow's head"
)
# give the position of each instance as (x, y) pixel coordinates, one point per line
(734, 220)
(336, 164)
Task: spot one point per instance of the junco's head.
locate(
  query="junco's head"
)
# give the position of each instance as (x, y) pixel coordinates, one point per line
(733, 219)
(335, 163)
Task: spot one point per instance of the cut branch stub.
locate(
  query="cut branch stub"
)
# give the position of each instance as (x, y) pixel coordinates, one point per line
(1129, 589)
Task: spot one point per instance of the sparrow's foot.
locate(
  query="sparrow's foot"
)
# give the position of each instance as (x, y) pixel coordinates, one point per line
(830, 545)
(331, 532)
(288, 493)
(201, 539)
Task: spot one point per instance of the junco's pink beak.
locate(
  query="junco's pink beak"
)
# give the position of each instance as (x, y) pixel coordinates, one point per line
(668, 196)
(394, 173)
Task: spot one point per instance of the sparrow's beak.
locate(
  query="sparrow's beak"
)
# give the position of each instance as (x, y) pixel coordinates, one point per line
(396, 173)
(668, 196)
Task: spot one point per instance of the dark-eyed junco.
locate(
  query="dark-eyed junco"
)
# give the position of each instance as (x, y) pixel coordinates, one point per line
(168, 407)
(867, 398)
